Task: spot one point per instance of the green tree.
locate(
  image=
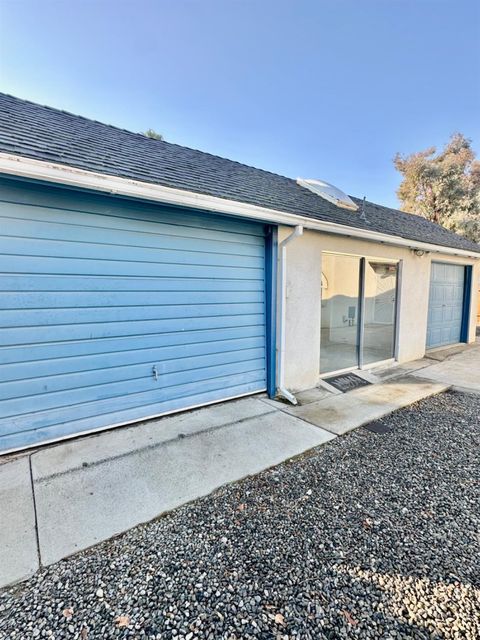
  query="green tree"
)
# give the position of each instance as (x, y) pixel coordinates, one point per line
(443, 187)
(151, 133)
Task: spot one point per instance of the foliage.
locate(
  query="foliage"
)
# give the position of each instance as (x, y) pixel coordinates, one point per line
(443, 187)
(151, 133)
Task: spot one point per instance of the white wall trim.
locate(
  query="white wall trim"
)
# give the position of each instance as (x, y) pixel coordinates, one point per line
(19, 166)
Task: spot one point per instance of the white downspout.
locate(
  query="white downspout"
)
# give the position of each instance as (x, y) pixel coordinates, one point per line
(282, 257)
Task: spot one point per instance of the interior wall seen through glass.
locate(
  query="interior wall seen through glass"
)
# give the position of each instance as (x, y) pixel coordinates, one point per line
(339, 314)
(353, 334)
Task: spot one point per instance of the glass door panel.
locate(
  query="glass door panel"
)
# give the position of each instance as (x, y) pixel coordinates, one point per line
(339, 316)
(380, 294)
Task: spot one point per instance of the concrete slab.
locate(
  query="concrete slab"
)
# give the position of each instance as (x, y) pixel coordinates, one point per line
(94, 487)
(396, 370)
(341, 414)
(312, 395)
(367, 374)
(461, 370)
(328, 387)
(303, 397)
(442, 353)
(82, 505)
(281, 405)
(18, 542)
(90, 450)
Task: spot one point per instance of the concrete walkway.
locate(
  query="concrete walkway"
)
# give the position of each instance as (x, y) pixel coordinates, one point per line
(460, 370)
(63, 498)
(340, 413)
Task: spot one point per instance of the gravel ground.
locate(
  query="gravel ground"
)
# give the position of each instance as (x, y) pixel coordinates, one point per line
(370, 536)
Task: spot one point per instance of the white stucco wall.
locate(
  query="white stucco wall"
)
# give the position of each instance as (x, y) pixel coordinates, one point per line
(303, 304)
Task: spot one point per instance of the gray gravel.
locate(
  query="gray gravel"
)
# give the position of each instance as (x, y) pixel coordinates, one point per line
(370, 536)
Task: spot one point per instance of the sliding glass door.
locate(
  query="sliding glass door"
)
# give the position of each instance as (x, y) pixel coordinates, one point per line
(339, 315)
(380, 294)
(358, 311)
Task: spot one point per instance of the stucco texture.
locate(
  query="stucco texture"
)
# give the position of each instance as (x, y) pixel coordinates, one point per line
(303, 299)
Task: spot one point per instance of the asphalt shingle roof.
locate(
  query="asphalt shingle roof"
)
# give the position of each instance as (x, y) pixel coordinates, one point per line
(43, 133)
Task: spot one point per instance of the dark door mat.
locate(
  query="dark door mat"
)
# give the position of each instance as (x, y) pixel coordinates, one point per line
(377, 426)
(346, 382)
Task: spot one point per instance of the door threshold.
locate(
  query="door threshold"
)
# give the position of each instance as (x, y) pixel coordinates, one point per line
(365, 367)
(337, 372)
(379, 363)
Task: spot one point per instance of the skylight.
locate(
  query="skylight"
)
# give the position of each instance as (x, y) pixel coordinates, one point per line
(328, 192)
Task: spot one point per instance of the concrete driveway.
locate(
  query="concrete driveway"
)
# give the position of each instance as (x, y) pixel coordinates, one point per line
(457, 369)
(66, 497)
(372, 536)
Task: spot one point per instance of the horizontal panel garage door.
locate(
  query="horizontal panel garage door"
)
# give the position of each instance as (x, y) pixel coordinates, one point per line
(445, 310)
(108, 319)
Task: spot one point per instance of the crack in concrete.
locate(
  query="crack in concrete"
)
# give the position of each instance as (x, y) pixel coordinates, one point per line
(37, 538)
(311, 424)
(156, 445)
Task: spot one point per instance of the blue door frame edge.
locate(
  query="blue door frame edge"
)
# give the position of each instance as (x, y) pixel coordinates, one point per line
(467, 296)
(271, 249)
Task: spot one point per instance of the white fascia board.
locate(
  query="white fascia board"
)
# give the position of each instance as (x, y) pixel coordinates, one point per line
(22, 167)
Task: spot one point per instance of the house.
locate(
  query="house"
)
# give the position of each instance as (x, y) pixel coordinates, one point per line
(140, 278)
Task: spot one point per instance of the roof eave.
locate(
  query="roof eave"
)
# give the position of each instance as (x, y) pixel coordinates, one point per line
(29, 168)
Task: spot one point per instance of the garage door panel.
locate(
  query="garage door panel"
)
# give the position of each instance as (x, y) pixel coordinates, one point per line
(445, 304)
(436, 296)
(99, 390)
(68, 299)
(72, 283)
(118, 328)
(33, 247)
(135, 313)
(92, 304)
(121, 218)
(139, 404)
(436, 315)
(22, 231)
(168, 342)
(69, 426)
(436, 336)
(103, 371)
(447, 337)
(75, 363)
(447, 314)
(86, 267)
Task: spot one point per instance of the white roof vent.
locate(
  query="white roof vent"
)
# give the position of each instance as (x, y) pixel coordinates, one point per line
(329, 192)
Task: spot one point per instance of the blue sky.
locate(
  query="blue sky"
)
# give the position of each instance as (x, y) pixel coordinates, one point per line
(312, 88)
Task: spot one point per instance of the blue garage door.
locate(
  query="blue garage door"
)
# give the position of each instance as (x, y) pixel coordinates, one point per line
(113, 312)
(445, 310)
